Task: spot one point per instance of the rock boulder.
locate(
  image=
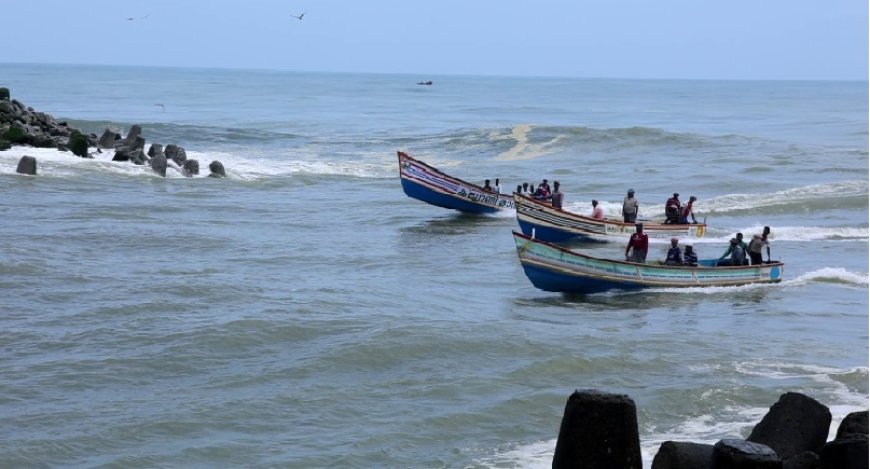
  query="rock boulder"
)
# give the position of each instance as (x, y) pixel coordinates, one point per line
(796, 423)
(176, 153)
(26, 165)
(217, 170)
(598, 430)
(190, 168)
(158, 164)
(78, 144)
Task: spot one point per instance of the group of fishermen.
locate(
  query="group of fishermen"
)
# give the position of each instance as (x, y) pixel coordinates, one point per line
(675, 212)
(735, 255)
(738, 252)
(543, 192)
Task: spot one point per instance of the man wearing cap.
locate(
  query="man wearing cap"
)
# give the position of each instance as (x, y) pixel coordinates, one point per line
(638, 245)
(629, 207)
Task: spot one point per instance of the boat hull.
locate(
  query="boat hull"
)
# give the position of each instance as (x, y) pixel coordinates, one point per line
(556, 269)
(558, 226)
(427, 184)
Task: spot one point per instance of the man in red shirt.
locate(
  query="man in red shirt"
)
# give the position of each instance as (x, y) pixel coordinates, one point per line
(688, 212)
(638, 245)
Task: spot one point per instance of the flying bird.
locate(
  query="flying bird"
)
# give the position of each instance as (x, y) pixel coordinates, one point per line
(131, 18)
(298, 17)
(161, 106)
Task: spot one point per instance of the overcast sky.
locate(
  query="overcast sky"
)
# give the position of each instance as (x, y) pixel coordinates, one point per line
(735, 39)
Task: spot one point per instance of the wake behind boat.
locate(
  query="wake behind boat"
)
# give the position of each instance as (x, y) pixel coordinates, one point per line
(556, 269)
(557, 225)
(425, 183)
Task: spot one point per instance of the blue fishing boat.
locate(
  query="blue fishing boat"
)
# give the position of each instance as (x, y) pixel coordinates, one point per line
(425, 183)
(556, 269)
(558, 226)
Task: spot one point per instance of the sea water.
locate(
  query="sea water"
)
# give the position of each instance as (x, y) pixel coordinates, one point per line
(303, 312)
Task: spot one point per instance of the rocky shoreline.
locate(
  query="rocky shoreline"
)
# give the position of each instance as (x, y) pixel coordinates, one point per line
(599, 430)
(21, 125)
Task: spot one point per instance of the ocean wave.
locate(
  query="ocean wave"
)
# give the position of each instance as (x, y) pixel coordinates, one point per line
(191, 134)
(835, 275)
(813, 233)
(523, 149)
(842, 194)
(718, 235)
(54, 163)
(832, 275)
(532, 141)
(529, 141)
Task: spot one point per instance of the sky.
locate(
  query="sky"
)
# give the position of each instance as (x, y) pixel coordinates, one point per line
(639, 39)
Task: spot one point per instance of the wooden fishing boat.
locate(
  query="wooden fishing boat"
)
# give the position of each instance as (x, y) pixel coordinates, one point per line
(556, 269)
(558, 226)
(423, 182)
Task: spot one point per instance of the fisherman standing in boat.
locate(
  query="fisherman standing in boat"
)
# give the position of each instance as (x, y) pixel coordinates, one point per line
(687, 212)
(486, 186)
(673, 208)
(558, 196)
(759, 241)
(638, 244)
(630, 207)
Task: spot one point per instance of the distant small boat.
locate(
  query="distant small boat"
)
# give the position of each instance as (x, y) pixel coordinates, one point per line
(424, 82)
(425, 183)
(557, 225)
(556, 269)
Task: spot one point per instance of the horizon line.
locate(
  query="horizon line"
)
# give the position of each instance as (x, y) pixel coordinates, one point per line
(427, 75)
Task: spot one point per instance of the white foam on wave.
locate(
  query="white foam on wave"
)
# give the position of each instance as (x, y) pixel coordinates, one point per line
(254, 167)
(51, 162)
(833, 275)
(523, 149)
(738, 202)
(811, 233)
(55, 163)
(846, 234)
(537, 455)
(507, 213)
